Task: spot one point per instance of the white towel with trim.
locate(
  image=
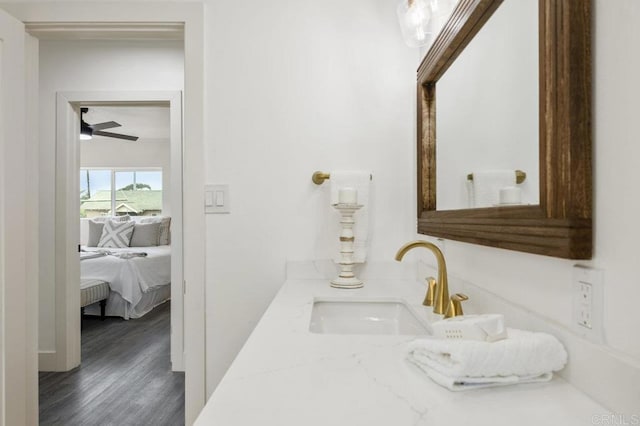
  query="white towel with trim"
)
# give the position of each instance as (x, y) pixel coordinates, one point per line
(523, 357)
(361, 181)
(468, 383)
(487, 185)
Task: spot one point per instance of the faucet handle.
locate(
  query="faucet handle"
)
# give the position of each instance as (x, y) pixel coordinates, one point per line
(455, 305)
(431, 292)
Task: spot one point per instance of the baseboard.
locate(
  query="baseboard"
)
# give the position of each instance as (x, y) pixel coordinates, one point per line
(47, 361)
(177, 363)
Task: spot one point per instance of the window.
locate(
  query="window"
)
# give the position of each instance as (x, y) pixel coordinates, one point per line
(116, 192)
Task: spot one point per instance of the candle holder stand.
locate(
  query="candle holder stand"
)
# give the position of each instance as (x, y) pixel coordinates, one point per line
(347, 278)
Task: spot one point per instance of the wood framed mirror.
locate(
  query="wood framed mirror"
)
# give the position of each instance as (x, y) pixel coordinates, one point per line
(560, 225)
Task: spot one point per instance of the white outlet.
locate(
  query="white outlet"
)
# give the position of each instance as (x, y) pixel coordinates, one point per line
(585, 305)
(588, 302)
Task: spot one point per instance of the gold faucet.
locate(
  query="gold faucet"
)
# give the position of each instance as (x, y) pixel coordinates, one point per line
(441, 303)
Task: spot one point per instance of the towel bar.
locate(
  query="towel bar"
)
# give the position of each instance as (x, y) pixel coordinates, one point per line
(319, 177)
(520, 176)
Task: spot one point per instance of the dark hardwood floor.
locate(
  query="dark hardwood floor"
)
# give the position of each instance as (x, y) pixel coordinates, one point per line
(125, 377)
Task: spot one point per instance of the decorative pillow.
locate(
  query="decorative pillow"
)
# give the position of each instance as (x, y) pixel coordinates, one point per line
(116, 234)
(164, 238)
(145, 235)
(95, 232)
(164, 235)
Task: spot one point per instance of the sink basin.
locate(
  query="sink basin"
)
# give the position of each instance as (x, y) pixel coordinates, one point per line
(381, 317)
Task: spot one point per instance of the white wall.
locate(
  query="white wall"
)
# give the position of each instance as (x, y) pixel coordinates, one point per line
(88, 66)
(542, 284)
(297, 87)
(331, 86)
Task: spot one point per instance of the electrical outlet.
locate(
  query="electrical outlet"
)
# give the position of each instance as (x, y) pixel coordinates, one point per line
(588, 302)
(585, 305)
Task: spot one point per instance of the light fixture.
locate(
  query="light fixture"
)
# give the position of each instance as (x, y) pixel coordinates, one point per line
(422, 20)
(440, 12)
(414, 17)
(86, 132)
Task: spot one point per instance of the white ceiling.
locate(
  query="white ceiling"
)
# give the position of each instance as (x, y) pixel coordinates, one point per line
(146, 122)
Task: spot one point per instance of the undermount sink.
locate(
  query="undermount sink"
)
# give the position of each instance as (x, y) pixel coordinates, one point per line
(370, 316)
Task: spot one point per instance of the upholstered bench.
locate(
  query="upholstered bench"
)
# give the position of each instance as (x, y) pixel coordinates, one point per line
(93, 291)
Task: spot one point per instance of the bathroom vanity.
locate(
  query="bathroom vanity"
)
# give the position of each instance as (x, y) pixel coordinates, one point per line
(287, 374)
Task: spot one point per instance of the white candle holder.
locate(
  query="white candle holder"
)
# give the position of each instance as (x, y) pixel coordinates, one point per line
(347, 278)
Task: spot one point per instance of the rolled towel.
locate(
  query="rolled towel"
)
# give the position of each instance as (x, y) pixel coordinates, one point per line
(524, 356)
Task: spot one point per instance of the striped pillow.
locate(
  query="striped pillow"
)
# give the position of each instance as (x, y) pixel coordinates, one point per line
(116, 234)
(164, 235)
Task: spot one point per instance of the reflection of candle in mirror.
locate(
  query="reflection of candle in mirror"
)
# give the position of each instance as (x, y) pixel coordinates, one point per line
(347, 195)
(510, 195)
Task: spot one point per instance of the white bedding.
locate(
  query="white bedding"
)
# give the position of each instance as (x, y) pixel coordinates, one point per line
(129, 277)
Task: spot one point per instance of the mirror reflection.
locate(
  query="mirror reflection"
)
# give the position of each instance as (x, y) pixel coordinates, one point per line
(487, 108)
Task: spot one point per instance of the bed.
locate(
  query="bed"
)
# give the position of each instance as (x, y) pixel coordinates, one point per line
(139, 277)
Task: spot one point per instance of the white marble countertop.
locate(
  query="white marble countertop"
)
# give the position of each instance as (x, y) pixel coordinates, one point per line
(286, 375)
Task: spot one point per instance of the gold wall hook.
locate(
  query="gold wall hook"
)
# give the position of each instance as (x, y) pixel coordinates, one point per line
(319, 177)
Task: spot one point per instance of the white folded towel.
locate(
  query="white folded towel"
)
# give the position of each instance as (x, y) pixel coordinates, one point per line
(468, 383)
(361, 181)
(523, 357)
(487, 185)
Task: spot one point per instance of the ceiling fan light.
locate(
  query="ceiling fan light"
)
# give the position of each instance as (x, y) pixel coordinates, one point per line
(86, 132)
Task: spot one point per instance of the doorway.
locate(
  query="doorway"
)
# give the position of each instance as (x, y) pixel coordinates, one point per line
(68, 210)
(148, 20)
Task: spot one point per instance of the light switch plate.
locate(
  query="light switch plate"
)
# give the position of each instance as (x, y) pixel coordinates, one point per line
(216, 199)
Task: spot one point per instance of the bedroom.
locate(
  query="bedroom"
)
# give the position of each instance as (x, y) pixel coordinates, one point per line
(132, 186)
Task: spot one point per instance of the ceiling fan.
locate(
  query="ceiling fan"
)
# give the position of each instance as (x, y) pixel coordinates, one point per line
(87, 131)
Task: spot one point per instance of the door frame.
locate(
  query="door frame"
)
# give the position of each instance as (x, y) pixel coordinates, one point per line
(18, 235)
(67, 354)
(78, 19)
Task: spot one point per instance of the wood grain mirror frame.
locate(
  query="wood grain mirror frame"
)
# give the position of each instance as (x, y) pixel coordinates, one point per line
(560, 225)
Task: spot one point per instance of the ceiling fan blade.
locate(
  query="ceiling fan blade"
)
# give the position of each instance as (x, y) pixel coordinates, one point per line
(105, 125)
(115, 135)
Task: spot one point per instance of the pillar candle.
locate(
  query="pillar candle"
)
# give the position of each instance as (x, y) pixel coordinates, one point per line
(347, 195)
